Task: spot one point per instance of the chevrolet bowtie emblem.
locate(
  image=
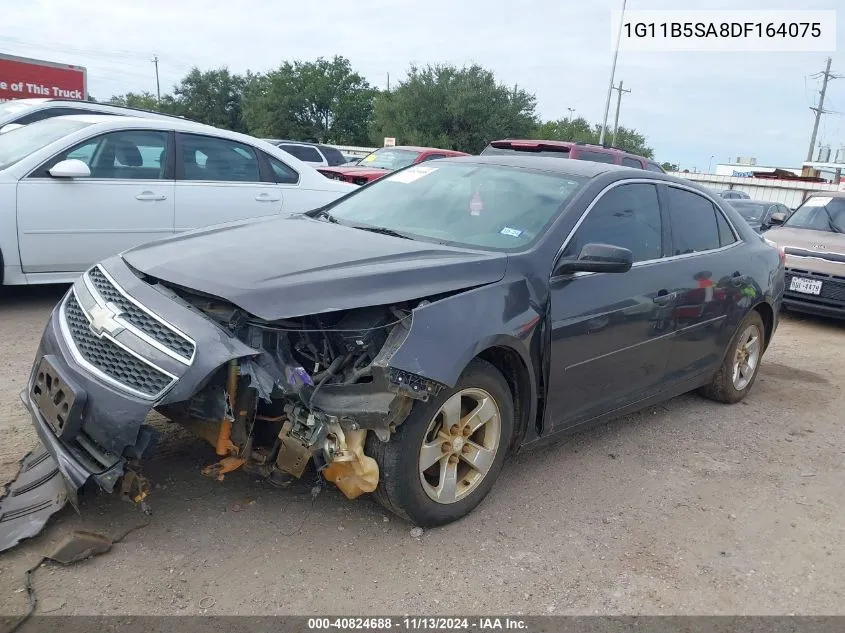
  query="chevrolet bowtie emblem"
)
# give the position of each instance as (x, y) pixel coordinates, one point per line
(104, 320)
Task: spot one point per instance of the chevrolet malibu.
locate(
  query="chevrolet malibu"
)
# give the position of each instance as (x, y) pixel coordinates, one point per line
(405, 339)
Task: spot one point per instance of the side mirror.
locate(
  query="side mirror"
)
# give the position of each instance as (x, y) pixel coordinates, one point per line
(73, 168)
(9, 127)
(777, 218)
(597, 258)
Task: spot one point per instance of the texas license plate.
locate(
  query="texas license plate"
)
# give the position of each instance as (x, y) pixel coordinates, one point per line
(807, 286)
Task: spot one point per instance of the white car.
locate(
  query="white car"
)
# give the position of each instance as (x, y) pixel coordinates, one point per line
(19, 112)
(77, 189)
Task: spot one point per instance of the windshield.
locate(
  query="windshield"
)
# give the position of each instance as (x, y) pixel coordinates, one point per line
(821, 213)
(750, 210)
(21, 142)
(466, 204)
(390, 158)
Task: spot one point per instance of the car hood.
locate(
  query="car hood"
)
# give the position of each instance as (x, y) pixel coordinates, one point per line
(287, 266)
(359, 171)
(819, 251)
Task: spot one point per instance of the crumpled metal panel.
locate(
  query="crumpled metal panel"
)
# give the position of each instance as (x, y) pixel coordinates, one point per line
(38, 492)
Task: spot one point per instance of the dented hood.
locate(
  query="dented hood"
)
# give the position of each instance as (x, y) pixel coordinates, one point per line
(282, 267)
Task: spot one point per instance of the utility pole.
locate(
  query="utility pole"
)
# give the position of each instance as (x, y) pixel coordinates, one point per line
(388, 82)
(612, 73)
(569, 118)
(826, 76)
(618, 104)
(158, 86)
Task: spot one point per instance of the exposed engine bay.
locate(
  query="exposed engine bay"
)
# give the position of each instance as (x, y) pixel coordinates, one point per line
(316, 386)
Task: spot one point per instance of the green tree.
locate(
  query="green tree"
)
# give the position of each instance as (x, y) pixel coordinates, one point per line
(143, 100)
(452, 108)
(214, 97)
(669, 166)
(580, 130)
(324, 101)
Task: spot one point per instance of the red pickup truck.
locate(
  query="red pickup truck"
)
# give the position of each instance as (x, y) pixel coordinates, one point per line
(383, 161)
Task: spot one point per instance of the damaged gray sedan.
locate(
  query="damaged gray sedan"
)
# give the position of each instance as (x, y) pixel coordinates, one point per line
(407, 337)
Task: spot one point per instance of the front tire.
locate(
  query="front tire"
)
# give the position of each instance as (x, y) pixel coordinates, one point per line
(741, 365)
(445, 457)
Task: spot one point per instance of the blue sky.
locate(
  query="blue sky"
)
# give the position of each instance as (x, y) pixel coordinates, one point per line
(690, 106)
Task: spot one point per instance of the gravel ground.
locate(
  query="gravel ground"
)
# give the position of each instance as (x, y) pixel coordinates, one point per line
(690, 507)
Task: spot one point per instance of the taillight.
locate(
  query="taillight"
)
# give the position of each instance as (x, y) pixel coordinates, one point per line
(780, 249)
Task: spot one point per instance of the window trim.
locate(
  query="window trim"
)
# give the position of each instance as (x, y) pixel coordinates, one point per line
(40, 172)
(179, 168)
(648, 262)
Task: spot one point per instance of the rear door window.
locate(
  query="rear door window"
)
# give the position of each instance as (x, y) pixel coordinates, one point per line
(217, 159)
(305, 153)
(333, 155)
(695, 227)
(654, 167)
(594, 156)
(631, 162)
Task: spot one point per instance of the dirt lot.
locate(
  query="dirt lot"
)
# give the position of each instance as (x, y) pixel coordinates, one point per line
(689, 508)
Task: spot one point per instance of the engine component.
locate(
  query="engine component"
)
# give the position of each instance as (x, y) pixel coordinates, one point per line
(352, 471)
(294, 453)
(362, 331)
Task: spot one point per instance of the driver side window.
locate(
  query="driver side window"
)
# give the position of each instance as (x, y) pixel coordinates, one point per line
(626, 216)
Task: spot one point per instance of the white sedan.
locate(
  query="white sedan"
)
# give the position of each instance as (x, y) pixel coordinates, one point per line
(77, 189)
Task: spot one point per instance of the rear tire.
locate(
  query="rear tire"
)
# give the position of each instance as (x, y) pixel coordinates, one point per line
(444, 458)
(741, 365)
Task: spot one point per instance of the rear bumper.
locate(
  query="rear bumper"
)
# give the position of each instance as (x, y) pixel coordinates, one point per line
(803, 305)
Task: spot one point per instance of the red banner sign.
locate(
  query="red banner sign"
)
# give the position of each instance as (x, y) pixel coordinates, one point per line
(22, 78)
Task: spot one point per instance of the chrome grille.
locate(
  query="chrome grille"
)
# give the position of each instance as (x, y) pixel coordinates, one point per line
(139, 318)
(109, 359)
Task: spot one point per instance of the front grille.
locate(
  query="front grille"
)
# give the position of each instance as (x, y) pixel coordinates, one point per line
(833, 287)
(110, 359)
(140, 318)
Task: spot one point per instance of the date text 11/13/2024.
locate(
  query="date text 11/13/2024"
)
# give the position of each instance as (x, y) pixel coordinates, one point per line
(418, 624)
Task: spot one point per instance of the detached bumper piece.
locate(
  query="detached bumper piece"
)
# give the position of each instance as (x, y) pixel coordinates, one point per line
(38, 492)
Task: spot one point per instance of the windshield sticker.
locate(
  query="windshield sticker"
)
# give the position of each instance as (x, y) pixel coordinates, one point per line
(411, 174)
(818, 201)
(512, 232)
(369, 158)
(476, 205)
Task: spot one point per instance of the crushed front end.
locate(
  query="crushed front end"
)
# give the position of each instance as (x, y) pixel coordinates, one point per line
(268, 396)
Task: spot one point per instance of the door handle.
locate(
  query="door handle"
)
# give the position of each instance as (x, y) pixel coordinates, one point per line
(149, 195)
(664, 297)
(266, 197)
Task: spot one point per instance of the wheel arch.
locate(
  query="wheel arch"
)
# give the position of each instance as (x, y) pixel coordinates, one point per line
(514, 369)
(767, 313)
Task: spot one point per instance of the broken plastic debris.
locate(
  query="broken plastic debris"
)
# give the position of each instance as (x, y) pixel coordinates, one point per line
(79, 545)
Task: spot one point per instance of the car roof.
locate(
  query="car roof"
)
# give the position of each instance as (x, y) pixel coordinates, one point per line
(568, 145)
(180, 125)
(750, 201)
(545, 163)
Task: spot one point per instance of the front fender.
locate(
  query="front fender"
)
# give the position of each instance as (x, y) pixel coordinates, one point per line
(447, 334)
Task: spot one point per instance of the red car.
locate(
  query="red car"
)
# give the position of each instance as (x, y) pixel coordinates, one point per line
(385, 160)
(569, 149)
